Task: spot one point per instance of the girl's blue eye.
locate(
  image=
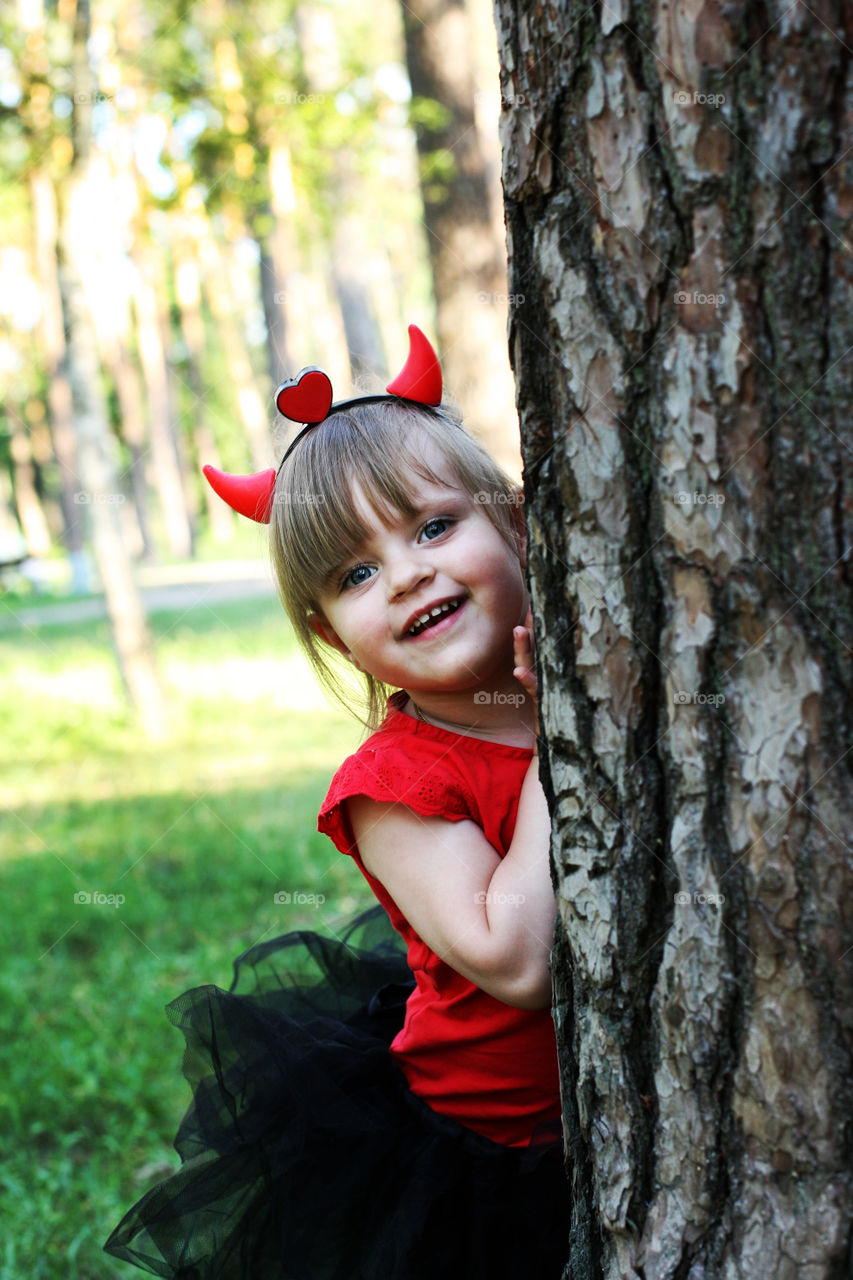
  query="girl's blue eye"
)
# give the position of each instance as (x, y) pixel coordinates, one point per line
(349, 579)
(437, 521)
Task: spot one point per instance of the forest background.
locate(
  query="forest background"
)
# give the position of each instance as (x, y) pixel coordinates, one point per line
(198, 200)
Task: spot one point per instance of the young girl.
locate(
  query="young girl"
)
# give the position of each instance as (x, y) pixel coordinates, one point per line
(348, 1123)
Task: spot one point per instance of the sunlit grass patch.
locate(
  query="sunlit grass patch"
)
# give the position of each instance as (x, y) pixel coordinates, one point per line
(129, 873)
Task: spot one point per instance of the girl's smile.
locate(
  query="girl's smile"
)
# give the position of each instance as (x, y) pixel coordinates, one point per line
(428, 605)
(434, 620)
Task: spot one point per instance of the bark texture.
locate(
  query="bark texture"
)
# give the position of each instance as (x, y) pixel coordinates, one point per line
(679, 191)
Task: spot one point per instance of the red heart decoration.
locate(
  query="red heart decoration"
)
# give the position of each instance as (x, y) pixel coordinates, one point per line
(306, 398)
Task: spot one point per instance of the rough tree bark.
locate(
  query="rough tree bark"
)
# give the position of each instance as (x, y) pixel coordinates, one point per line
(679, 190)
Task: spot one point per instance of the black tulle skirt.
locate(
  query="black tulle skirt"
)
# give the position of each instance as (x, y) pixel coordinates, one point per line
(305, 1155)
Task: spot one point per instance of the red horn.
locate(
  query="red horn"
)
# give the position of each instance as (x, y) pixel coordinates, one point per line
(248, 495)
(420, 378)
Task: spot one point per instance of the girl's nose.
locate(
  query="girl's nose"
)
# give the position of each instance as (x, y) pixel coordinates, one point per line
(404, 573)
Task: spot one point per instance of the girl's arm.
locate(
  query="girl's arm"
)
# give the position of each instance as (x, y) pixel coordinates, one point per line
(489, 918)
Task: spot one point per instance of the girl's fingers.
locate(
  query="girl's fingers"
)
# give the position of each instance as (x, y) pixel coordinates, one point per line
(525, 669)
(522, 647)
(526, 679)
(523, 644)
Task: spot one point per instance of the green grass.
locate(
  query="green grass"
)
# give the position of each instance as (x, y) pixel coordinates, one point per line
(197, 834)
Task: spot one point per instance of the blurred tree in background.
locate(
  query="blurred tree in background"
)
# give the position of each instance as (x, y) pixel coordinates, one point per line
(467, 251)
(201, 199)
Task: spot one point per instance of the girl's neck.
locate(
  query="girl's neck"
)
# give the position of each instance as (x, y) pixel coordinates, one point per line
(507, 722)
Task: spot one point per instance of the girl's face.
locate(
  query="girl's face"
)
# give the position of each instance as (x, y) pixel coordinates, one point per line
(448, 553)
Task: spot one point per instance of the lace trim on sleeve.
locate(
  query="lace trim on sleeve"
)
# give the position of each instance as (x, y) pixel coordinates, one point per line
(427, 786)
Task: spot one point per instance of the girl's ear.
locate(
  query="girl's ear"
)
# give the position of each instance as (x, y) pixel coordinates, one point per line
(327, 633)
(329, 636)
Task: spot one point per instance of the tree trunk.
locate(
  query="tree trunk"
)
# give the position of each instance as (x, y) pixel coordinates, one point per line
(44, 461)
(115, 330)
(52, 335)
(353, 285)
(188, 299)
(272, 291)
(468, 259)
(679, 190)
(350, 273)
(129, 390)
(150, 307)
(30, 512)
(34, 70)
(100, 494)
(269, 224)
(279, 260)
(255, 410)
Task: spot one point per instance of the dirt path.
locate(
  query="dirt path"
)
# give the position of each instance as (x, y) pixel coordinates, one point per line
(179, 587)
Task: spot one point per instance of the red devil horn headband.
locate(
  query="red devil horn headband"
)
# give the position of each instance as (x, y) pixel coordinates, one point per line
(308, 399)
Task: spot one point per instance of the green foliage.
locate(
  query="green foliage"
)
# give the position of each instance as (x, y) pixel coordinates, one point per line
(217, 102)
(437, 169)
(429, 114)
(197, 834)
(191, 100)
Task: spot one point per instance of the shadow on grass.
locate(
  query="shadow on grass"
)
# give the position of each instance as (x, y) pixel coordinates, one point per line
(91, 1086)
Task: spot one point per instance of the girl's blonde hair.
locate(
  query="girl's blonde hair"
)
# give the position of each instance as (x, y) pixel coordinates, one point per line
(314, 524)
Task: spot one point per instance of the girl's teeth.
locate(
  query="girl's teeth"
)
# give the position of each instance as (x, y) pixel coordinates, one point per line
(433, 613)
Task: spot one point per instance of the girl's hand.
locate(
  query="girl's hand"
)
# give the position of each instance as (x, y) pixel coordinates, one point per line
(525, 665)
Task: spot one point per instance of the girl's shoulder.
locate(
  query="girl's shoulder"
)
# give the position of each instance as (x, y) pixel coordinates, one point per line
(430, 770)
(400, 764)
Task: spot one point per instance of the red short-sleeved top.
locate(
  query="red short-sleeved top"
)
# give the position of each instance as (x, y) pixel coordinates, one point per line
(486, 1064)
